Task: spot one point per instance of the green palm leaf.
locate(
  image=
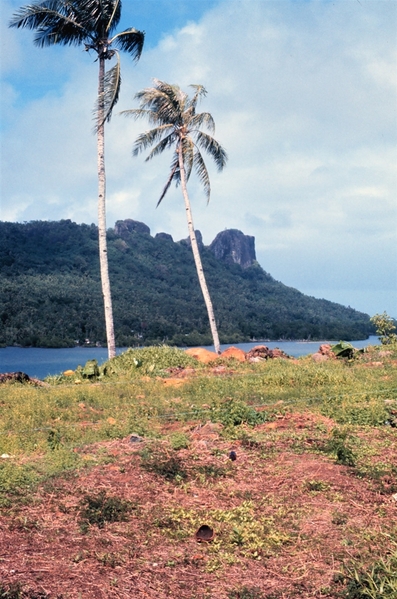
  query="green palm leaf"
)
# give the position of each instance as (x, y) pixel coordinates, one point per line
(107, 100)
(130, 41)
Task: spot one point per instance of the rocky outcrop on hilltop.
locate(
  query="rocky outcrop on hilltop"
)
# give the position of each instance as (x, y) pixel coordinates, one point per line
(232, 246)
(123, 227)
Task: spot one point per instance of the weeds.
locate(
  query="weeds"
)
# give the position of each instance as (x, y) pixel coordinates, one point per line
(159, 460)
(246, 593)
(15, 591)
(379, 582)
(338, 445)
(100, 509)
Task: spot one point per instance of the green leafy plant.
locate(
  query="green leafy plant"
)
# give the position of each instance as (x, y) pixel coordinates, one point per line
(379, 582)
(179, 441)
(54, 439)
(99, 509)
(233, 412)
(337, 445)
(385, 328)
(159, 460)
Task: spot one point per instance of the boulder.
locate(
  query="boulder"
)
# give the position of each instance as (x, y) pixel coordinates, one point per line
(235, 353)
(202, 355)
(262, 352)
(233, 247)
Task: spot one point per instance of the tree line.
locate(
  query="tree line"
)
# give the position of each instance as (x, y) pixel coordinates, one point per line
(50, 293)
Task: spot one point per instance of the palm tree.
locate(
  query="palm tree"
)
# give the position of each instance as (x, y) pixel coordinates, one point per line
(92, 23)
(177, 125)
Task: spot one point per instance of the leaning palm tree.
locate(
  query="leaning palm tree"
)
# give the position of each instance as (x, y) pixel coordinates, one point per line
(177, 126)
(92, 23)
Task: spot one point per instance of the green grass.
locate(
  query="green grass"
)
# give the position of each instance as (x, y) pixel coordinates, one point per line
(41, 427)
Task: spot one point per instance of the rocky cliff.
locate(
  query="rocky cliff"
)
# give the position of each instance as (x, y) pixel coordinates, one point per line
(232, 246)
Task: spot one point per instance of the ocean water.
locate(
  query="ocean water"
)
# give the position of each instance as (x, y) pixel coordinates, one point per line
(39, 362)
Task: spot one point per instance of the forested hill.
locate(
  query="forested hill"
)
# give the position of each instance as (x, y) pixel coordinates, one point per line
(50, 294)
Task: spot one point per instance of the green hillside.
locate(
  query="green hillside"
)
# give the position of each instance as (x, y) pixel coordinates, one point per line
(50, 293)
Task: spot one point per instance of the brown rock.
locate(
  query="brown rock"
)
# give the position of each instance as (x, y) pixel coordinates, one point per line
(277, 353)
(202, 355)
(259, 351)
(325, 350)
(234, 352)
(320, 357)
(264, 353)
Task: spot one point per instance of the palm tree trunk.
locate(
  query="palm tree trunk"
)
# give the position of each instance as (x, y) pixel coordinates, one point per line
(103, 254)
(196, 255)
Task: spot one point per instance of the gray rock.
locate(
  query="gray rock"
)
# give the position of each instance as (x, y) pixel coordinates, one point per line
(232, 246)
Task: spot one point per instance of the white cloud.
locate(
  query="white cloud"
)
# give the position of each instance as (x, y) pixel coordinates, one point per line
(304, 98)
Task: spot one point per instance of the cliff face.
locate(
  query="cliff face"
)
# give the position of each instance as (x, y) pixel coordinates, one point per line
(232, 246)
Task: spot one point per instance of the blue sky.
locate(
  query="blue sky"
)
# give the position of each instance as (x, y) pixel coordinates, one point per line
(303, 94)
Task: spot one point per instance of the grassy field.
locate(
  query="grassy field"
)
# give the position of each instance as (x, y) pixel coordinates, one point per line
(105, 477)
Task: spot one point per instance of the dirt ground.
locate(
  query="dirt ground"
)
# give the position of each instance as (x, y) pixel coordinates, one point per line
(324, 514)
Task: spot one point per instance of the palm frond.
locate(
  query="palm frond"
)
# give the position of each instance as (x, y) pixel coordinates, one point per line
(203, 118)
(56, 22)
(131, 41)
(178, 125)
(188, 155)
(139, 113)
(212, 147)
(101, 16)
(164, 100)
(107, 101)
(147, 139)
(200, 91)
(115, 17)
(174, 174)
(202, 173)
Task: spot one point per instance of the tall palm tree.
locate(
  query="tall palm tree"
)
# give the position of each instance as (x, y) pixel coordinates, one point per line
(92, 23)
(177, 126)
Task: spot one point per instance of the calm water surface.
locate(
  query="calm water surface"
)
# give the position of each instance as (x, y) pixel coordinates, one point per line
(39, 363)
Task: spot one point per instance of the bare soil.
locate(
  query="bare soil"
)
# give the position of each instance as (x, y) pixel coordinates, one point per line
(328, 514)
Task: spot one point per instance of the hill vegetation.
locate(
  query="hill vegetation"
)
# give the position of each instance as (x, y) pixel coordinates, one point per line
(50, 293)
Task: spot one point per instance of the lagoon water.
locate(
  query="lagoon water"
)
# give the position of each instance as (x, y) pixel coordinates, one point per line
(39, 363)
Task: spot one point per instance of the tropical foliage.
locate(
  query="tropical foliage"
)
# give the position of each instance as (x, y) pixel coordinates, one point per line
(178, 126)
(91, 23)
(50, 293)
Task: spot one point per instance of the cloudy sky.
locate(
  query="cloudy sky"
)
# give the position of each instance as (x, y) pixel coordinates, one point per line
(304, 98)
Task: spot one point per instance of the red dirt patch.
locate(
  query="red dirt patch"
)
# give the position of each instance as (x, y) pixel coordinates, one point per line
(322, 508)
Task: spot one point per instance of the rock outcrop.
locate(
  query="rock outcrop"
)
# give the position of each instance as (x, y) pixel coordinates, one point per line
(232, 246)
(124, 227)
(199, 239)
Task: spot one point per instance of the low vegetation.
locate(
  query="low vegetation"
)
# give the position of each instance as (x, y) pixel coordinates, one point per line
(113, 472)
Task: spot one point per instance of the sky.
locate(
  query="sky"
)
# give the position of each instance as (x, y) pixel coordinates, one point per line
(303, 94)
